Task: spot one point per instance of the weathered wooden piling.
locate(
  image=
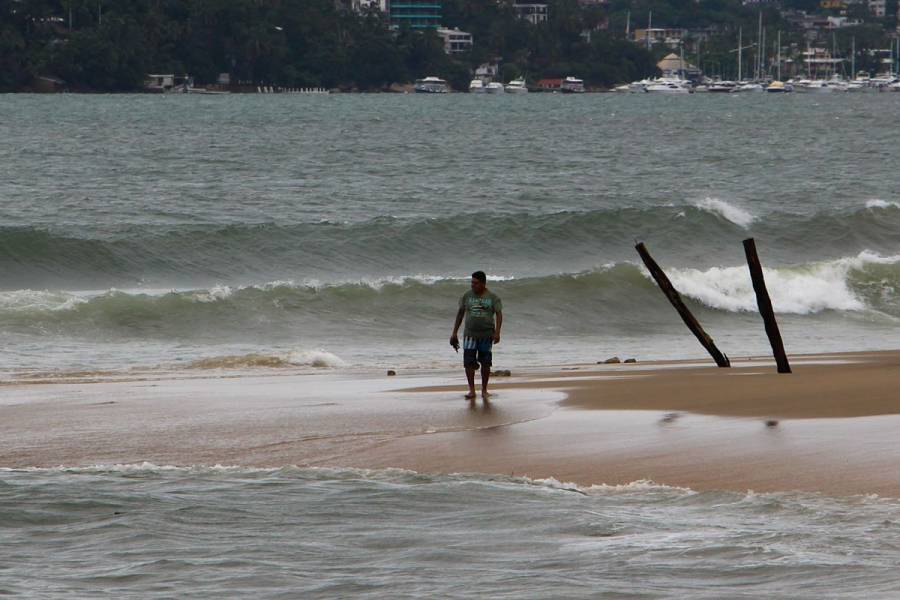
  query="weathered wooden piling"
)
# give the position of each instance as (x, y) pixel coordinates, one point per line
(675, 298)
(765, 306)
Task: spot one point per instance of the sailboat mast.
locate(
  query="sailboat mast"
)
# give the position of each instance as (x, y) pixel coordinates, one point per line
(779, 55)
(649, 27)
(759, 46)
(853, 57)
(740, 48)
(763, 55)
(628, 25)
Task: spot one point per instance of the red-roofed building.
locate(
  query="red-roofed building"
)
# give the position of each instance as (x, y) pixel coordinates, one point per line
(549, 84)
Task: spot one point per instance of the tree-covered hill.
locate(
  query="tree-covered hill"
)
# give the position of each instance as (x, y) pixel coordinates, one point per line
(110, 45)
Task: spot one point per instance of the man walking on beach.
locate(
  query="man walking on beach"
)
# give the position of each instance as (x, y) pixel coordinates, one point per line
(479, 306)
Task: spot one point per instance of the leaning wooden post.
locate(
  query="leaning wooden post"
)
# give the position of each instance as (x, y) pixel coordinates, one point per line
(675, 298)
(765, 306)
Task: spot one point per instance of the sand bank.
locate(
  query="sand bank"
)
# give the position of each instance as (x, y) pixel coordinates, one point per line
(674, 423)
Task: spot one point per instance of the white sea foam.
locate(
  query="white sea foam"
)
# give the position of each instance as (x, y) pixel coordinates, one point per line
(319, 359)
(27, 300)
(314, 358)
(877, 203)
(794, 290)
(727, 211)
(213, 294)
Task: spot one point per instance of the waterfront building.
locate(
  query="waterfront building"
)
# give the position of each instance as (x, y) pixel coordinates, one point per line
(550, 85)
(673, 66)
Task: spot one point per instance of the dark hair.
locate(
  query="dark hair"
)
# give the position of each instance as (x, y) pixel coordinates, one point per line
(480, 276)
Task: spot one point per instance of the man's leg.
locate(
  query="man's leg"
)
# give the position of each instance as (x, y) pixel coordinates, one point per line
(486, 359)
(470, 362)
(470, 375)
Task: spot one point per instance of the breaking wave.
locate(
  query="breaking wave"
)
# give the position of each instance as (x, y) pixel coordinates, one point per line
(306, 358)
(615, 293)
(730, 212)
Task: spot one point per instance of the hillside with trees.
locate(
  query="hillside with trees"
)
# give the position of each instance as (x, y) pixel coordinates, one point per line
(106, 45)
(110, 45)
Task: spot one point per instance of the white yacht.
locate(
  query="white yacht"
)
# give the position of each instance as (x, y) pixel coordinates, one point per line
(721, 87)
(820, 86)
(667, 85)
(749, 86)
(517, 86)
(494, 87)
(476, 86)
(572, 85)
(431, 85)
(640, 86)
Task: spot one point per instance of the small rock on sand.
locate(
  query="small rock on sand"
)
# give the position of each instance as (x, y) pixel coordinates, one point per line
(501, 373)
(611, 361)
(630, 361)
(771, 423)
(391, 372)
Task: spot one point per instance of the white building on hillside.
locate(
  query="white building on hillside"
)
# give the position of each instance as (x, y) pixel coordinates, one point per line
(455, 40)
(533, 12)
(363, 5)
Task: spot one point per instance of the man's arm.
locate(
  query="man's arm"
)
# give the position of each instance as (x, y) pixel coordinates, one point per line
(454, 340)
(499, 324)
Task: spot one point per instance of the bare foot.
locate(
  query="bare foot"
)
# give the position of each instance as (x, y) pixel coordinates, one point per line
(470, 396)
(485, 394)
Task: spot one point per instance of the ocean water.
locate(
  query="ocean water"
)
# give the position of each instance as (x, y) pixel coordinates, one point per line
(338, 231)
(146, 531)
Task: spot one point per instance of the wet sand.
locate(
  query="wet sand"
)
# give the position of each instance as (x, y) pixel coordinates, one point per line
(831, 426)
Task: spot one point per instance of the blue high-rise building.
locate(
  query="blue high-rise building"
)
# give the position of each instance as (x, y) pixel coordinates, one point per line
(417, 14)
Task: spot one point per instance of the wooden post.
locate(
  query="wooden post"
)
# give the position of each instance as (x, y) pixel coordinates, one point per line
(675, 298)
(765, 306)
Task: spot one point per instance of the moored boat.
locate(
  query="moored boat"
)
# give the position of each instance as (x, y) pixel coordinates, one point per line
(517, 86)
(572, 85)
(431, 85)
(779, 87)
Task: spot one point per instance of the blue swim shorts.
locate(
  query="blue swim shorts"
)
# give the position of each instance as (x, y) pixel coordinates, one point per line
(477, 351)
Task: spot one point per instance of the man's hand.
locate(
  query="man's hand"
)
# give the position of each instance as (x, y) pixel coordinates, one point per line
(496, 337)
(454, 341)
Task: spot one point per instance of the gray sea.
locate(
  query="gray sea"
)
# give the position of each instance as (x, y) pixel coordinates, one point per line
(338, 232)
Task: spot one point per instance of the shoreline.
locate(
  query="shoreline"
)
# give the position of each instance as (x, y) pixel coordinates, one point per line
(829, 427)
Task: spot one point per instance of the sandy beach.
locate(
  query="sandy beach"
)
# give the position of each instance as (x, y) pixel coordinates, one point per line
(829, 427)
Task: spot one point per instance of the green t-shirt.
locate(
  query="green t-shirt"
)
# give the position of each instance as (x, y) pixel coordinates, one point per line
(480, 313)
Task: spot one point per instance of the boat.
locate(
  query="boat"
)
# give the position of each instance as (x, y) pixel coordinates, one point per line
(721, 87)
(431, 85)
(476, 86)
(572, 85)
(779, 87)
(669, 85)
(639, 86)
(821, 86)
(517, 86)
(749, 86)
(494, 87)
